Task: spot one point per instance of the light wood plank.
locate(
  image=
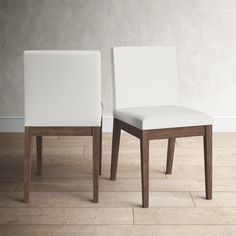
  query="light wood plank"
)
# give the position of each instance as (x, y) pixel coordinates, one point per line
(189, 216)
(219, 172)
(128, 185)
(114, 230)
(221, 199)
(80, 171)
(66, 216)
(84, 199)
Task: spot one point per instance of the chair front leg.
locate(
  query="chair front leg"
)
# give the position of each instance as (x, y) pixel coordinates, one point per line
(115, 148)
(39, 154)
(96, 156)
(144, 148)
(208, 160)
(170, 155)
(27, 163)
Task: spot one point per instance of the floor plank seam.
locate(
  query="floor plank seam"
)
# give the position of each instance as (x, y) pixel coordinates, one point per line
(84, 150)
(125, 191)
(133, 216)
(192, 199)
(105, 178)
(103, 224)
(115, 207)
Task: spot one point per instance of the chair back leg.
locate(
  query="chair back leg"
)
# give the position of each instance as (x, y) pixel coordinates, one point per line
(27, 163)
(208, 160)
(96, 161)
(39, 154)
(170, 155)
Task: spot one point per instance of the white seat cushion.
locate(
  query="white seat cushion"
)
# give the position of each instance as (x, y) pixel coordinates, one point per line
(160, 117)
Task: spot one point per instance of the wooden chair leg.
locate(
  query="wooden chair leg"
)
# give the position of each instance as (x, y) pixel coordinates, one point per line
(96, 151)
(100, 157)
(170, 155)
(27, 164)
(115, 149)
(144, 147)
(39, 154)
(208, 161)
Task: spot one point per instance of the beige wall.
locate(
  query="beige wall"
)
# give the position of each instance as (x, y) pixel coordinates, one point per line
(204, 32)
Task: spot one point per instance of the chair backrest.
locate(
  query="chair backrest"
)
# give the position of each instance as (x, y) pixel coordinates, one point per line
(144, 76)
(62, 88)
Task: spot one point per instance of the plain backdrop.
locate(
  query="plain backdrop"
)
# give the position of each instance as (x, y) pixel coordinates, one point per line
(203, 31)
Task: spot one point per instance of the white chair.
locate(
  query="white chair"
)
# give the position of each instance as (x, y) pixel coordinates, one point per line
(145, 105)
(62, 97)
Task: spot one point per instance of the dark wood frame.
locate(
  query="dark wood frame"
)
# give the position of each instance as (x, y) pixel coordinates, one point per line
(95, 132)
(171, 134)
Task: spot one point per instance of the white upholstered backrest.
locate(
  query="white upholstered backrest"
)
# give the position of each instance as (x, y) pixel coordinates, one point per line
(144, 76)
(62, 88)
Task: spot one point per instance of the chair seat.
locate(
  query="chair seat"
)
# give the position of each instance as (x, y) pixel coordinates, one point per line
(161, 117)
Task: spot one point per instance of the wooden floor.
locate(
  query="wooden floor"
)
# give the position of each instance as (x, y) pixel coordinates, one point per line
(61, 198)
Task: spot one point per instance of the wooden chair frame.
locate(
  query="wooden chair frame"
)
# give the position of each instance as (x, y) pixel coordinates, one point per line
(95, 132)
(171, 134)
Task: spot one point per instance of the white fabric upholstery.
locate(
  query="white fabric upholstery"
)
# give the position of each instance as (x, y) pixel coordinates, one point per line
(62, 88)
(145, 89)
(161, 117)
(144, 76)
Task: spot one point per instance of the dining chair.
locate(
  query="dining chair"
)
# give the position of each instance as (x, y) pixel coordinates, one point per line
(62, 98)
(146, 106)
